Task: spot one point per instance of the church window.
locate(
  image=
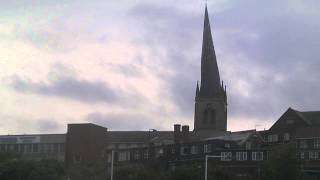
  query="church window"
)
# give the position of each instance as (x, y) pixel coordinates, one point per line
(205, 117)
(213, 116)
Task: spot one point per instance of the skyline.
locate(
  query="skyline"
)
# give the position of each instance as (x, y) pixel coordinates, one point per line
(134, 65)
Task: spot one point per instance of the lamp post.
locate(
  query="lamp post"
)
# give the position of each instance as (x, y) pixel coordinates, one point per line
(111, 170)
(206, 165)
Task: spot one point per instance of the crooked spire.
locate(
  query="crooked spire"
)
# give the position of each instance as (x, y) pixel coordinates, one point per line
(210, 78)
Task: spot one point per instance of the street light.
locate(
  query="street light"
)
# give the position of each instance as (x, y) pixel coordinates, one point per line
(206, 165)
(112, 159)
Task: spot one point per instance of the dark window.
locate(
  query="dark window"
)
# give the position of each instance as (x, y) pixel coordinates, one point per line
(55, 148)
(35, 148)
(212, 116)
(62, 148)
(205, 117)
(16, 148)
(2, 147)
(77, 158)
(28, 148)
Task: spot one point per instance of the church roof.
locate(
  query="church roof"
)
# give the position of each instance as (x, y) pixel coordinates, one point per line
(210, 78)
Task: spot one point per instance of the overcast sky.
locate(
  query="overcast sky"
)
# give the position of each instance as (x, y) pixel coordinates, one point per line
(133, 65)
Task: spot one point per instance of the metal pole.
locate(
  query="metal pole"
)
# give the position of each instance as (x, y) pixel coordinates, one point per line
(206, 165)
(206, 169)
(112, 158)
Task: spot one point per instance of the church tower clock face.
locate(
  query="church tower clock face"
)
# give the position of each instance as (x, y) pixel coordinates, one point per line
(211, 95)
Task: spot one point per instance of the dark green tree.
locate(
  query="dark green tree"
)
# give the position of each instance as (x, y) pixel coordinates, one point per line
(282, 164)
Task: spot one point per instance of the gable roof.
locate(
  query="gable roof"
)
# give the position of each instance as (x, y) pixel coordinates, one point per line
(312, 116)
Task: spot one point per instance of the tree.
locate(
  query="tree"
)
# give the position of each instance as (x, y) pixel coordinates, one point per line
(14, 167)
(282, 164)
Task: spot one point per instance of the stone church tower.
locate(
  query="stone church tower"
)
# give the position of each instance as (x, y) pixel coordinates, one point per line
(211, 97)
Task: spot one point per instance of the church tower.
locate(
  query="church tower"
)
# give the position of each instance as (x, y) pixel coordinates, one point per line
(211, 97)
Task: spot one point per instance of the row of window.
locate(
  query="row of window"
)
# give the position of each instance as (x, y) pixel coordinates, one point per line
(241, 156)
(274, 137)
(311, 155)
(196, 149)
(125, 155)
(33, 148)
(303, 144)
(225, 156)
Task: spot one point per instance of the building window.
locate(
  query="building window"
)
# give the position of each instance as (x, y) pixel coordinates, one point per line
(62, 148)
(2, 148)
(35, 148)
(194, 149)
(205, 117)
(55, 148)
(213, 116)
(184, 150)
(248, 145)
(137, 155)
(146, 154)
(302, 155)
(275, 138)
(303, 144)
(77, 159)
(122, 156)
(241, 156)
(316, 143)
(286, 136)
(313, 155)
(207, 148)
(257, 156)
(16, 148)
(227, 145)
(159, 153)
(226, 156)
(28, 148)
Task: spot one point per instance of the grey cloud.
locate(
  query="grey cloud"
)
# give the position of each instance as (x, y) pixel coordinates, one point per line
(120, 121)
(80, 90)
(130, 70)
(48, 126)
(262, 35)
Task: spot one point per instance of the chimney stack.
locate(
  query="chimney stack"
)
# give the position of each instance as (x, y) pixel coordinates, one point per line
(185, 132)
(177, 133)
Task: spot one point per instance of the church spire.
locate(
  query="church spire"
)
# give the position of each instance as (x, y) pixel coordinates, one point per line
(210, 78)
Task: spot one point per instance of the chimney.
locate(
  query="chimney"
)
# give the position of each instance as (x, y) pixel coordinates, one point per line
(185, 132)
(177, 133)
